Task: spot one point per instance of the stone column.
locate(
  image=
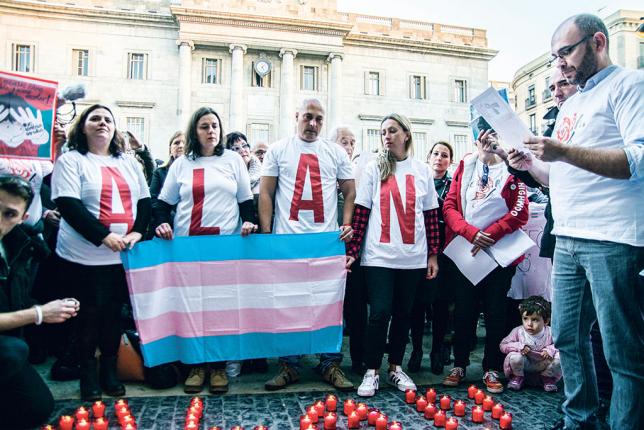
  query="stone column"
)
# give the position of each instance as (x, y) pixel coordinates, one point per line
(185, 89)
(335, 91)
(236, 121)
(287, 91)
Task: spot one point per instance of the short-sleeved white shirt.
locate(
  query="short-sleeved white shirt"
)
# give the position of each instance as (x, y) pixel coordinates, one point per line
(321, 164)
(400, 250)
(225, 184)
(33, 171)
(107, 186)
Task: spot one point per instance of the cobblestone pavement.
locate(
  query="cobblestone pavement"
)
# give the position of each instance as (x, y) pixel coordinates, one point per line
(531, 409)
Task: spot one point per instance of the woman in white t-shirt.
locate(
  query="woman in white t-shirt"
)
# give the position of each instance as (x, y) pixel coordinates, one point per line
(104, 202)
(211, 190)
(397, 206)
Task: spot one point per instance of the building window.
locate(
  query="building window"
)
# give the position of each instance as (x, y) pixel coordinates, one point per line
(420, 145)
(136, 126)
(418, 87)
(531, 101)
(259, 133)
(210, 68)
(640, 62)
(461, 144)
(81, 62)
(533, 123)
(547, 94)
(372, 83)
(259, 81)
(372, 140)
(23, 58)
(137, 67)
(309, 78)
(460, 91)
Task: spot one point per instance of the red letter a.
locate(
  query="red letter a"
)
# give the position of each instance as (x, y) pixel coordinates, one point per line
(106, 215)
(308, 162)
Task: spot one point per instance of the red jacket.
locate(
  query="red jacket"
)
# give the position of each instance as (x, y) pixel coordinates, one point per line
(514, 193)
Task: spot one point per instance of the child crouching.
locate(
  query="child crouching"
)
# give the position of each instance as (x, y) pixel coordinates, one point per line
(531, 354)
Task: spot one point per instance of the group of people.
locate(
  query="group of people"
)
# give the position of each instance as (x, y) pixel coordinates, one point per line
(395, 214)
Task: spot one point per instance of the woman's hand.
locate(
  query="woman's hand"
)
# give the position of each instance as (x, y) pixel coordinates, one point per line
(132, 238)
(346, 233)
(348, 262)
(58, 311)
(490, 143)
(248, 228)
(164, 231)
(432, 267)
(114, 242)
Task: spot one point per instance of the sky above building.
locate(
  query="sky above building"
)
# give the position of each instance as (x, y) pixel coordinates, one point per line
(519, 29)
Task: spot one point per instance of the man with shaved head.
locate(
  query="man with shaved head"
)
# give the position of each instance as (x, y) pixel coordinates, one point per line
(301, 175)
(595, 168)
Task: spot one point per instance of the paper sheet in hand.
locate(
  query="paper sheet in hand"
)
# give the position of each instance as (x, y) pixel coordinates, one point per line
(510, 247)
(502, 118)
(474, 268)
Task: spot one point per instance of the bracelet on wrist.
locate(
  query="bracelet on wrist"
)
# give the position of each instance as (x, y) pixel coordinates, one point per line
(38, 314)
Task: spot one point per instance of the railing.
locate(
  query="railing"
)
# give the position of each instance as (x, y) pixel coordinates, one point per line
(546, 95)
(530, 102)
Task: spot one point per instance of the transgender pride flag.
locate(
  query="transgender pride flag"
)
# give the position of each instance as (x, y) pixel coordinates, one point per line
(213, 298)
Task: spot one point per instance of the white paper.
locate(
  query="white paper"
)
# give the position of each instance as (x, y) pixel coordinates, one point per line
(510, 247)
(474, 268)
(498, 113)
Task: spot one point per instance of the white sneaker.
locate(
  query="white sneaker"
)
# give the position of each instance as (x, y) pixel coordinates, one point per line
(401, 380)
(369, 384)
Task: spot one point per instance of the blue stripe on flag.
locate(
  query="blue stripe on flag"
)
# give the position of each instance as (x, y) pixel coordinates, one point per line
(233, 247)
(238, 347)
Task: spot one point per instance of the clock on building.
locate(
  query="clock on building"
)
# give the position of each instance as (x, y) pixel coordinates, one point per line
(262, 67)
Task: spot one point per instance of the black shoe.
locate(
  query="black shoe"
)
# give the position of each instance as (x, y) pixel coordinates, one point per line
(413, 365)
(89, 388)
(65, 368)
(436, 360)
(109, 380)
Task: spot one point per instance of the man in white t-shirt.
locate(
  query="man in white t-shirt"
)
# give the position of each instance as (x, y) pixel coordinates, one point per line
(595, 168)
(301, 175)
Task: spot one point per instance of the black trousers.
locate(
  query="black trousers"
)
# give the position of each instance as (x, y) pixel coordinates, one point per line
(491, 292)
(355, 312)
(390, 294)
(25, 399)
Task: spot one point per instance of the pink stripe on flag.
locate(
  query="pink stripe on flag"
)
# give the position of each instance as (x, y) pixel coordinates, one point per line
(198, 274)
(240, 321)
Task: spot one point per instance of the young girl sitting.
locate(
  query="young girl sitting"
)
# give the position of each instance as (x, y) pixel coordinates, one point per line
(530, 349)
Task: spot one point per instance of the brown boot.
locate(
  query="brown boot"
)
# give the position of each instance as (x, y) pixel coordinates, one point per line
(287, 375)
(218, 381)
(195, 380)
(335, 376)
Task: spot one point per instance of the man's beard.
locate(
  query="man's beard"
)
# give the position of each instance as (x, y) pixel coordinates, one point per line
(586, 69)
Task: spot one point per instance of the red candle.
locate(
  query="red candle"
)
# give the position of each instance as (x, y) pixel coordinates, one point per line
(192, 417)
(488, 403)
(133, 427)
(82, 414)
(410, 397)
(506, 421)
(260, 427)
(477, 414)
(100, 424)
(440, 418)
(446, 402)
(354, 420)
(421, 404)
(305, 421)
(331, 403)
(362, 411)
(395, 425)
(451, 424)
(82, 424)
(215, 428)
(313, 414)
(48, 427)
(66, 422)
(430, 411)
(122, 411)
(237, 428)
(459, 408)
(120, 402)
(478, 397)
(191, 425)
(330, 421)
(471, 391)
(372, 416)
(497, 411)
(319, 407)
(381, 422)
(349, 406)
(197, 412)
(98, 409)
(430, 394)
(128, 419)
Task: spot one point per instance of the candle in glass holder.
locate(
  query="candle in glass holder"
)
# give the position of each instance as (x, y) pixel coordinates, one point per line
(430, 394)
(260, 427)
(82, 414)
(313, 414)
(471, 391)
(100, 424)
(330, 421)
(133, 427)
(198, 412)
(354, 420)
(395, 425)
(190, 425)
(349, 406)
(488, 402)
(439, 418)
(122, 411)
(305, 421)
(362, 411)
(477, 414)
(128, 419)
(506, 421)
(98, 409)
(497, 411)
(192, 417)
(478, 397)
(446, 402)
(410, 397)
(66, 422)
(319, 407)
(372, 416)
(381, 422)
(459, 408)
(82, 424)
(421, 403)
(331, 403)
(430, 411)
(451, 424)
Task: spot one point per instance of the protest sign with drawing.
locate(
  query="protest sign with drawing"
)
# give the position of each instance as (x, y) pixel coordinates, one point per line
(27, 115)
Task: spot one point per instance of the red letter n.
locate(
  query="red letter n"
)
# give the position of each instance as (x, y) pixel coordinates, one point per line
(406, 215)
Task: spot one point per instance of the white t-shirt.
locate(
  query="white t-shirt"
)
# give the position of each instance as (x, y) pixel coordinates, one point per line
(387, 243)
(308, 173)
(207, 191)
(33, 171)
(485, 205)
(110, 188)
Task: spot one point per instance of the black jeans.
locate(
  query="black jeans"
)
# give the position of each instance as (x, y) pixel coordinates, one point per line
(492, 293)
(390, 294)
(355, 312)
(25, 399)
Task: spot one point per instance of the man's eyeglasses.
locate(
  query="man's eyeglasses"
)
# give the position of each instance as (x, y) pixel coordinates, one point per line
(260, 151)
(238, 148)
(567, 50)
